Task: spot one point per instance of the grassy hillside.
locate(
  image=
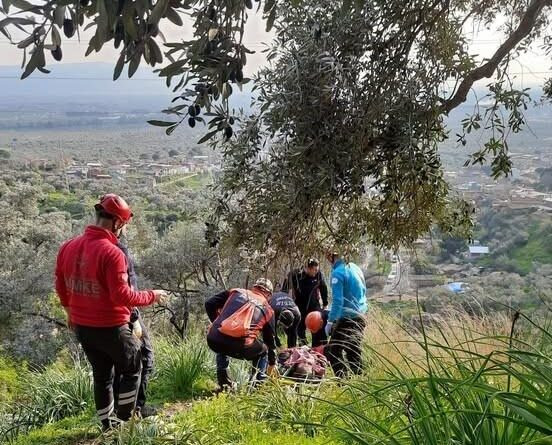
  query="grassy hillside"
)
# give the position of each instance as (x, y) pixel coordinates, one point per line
(460, 381)
(538, 248)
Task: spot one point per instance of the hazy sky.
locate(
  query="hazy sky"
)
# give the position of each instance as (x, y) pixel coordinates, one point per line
(529, 69)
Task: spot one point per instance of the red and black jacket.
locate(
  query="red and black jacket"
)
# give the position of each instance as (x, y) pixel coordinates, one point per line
(226, 303)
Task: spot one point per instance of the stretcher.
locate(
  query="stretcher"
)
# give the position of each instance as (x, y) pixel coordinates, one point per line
(302, 365)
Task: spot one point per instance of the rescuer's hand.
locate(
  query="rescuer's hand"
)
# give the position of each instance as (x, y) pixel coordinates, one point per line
(160, 296)
(328, 328)
(68, 318)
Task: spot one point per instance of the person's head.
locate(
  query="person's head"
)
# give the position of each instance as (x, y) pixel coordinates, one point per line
(332, 256)
(113, 213)
(314, 321)
(286, 319)
(265, 286)
(312, 267)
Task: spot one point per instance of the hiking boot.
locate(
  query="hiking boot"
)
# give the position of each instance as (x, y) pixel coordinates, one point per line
(223, 380)
(146, 411)
(111, 424)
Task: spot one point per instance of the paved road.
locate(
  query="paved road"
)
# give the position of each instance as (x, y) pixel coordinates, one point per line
(397, 281)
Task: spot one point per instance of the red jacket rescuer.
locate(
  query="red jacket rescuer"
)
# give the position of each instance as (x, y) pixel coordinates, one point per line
(92, 280)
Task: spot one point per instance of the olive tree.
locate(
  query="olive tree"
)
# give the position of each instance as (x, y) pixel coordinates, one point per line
(184, 263)
(29, 241)
(343, 145)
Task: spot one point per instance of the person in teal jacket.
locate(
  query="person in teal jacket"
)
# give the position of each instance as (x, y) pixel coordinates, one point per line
(346, 321)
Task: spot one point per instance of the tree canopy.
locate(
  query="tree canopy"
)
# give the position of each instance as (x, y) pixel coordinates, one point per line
(343, 145)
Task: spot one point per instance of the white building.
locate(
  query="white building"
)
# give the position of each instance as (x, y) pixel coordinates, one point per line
(478, 251)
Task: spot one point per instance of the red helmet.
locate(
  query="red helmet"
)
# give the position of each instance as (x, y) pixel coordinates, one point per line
(116, 206)
(314, 321)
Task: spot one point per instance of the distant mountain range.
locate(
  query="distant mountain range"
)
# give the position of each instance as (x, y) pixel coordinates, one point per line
(88, 87)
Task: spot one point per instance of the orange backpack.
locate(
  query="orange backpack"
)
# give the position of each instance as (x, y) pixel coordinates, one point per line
(238, 325)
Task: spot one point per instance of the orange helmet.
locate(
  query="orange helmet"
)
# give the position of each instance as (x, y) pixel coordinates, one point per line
(314, 321)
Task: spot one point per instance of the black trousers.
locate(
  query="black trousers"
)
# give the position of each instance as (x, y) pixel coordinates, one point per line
(291, 335)
(224, 347)
(344, 349)
(147, 369)
(107, 350)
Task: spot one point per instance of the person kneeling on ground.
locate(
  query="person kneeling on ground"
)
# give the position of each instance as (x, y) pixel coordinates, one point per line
(287, 317)
(92, 285)
(346, 318)
(239, 317)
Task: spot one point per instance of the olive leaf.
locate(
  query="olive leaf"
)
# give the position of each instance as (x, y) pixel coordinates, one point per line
(59, 15)
(37, 60)
(158, 11)
(174, 17)
(56, 37)
(119, 66)
(157, 123)
(134, 63)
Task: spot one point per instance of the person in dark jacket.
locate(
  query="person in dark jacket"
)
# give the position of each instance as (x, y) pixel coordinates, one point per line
(92, 285)
(287, 317)
(308, 288)
(243, 327)
(147, 347)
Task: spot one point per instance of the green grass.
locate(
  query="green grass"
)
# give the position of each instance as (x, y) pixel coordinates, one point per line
(538, 249)
(183, 369)
(10, 380)
(65, 202)
(46, 397)
(231, 419)
(64, 432)
(192, 181)
(465, 381)
(198, 181)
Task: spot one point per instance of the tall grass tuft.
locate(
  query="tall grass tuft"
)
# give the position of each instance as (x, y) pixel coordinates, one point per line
(292, 404)
(182, 366)
(58, 392)
(449, 384)
(146, 432)
(53, 394)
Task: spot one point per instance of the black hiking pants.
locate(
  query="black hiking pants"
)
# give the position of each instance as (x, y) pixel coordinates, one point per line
(344, 349)
(226, 347)
(107, 350)
(146, 352)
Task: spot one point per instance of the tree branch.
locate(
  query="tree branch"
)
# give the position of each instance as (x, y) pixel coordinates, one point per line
(486, 70)
(45, 317)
